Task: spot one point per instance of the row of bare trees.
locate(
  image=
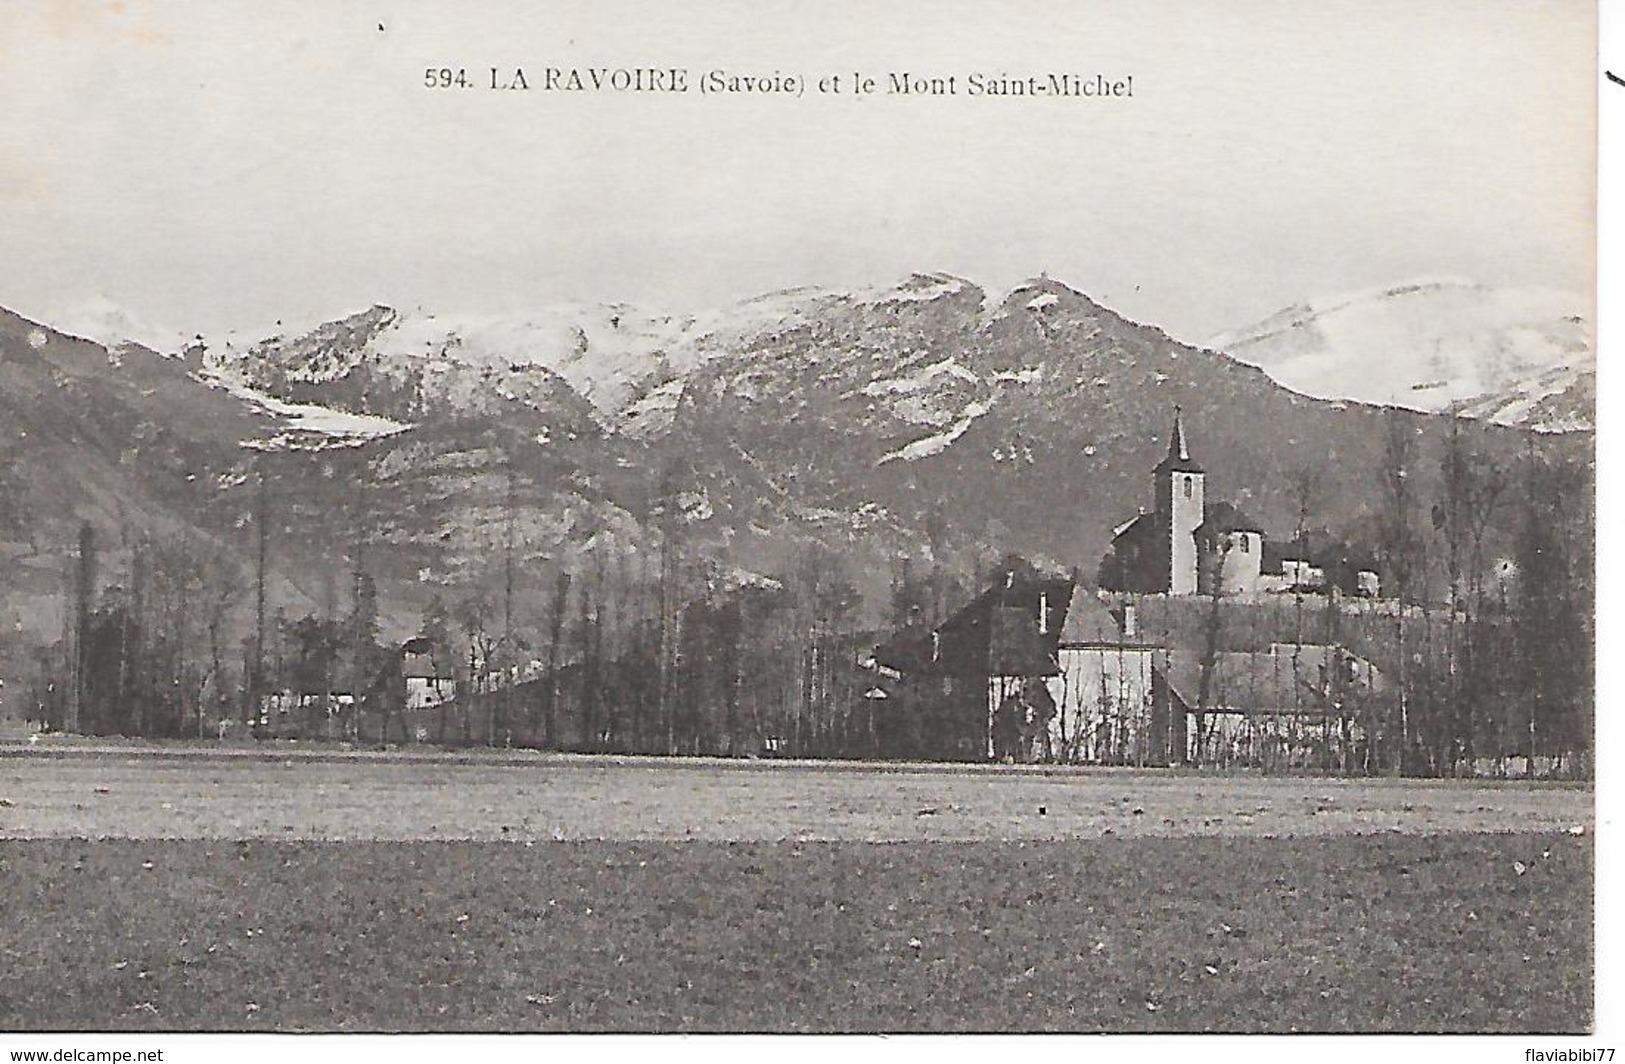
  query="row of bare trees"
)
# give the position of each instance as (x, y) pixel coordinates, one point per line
(152, 653)
(632, 654)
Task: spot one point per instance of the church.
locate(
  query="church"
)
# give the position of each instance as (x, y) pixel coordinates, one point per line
(1188, 545)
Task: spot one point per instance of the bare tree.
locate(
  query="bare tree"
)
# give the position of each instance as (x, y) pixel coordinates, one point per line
(1211, 633)
(472, 615)
(1472, 487)
(550, 694)
(1402, 552)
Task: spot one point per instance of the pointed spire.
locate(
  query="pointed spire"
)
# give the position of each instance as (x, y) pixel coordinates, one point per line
(1179, 452)
(1176, 443)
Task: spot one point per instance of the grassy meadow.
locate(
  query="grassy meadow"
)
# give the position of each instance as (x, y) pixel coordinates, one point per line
(1462, 933)
(299, 891)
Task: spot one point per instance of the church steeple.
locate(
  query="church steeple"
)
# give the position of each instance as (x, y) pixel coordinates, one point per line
(1180, 507)
(1176, 443)
(1178, 459)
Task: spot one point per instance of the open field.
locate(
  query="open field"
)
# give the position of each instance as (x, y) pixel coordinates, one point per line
(1394, 933)
(133, 793)
(208, 893)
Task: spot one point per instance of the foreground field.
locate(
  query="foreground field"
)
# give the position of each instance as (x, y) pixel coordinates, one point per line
(196, 889)
(1383, 933)
(135, 793)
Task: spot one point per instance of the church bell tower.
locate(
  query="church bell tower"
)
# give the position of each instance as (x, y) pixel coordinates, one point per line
(1179, 510)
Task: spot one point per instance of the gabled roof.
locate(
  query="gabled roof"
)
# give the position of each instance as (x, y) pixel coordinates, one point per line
(997, 633)
(1136, 528)
(422, 667)
(1016, 647)
(1091, 622)
(1249, 683)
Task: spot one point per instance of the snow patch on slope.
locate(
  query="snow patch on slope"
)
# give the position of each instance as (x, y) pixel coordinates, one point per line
(308, 417)
(939, 442)
(922, 288)
(920, 379)
(1563, 399)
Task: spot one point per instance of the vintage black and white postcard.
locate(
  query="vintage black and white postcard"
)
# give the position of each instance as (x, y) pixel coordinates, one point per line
(759, 518)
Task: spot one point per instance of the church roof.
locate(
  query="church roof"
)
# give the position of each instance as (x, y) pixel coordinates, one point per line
(1178, 458)
(1219, 517)
(1143, 526)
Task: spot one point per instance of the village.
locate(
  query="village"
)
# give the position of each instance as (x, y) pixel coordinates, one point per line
(1203, 641)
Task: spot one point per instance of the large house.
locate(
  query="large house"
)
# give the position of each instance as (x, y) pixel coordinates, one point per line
(955, 691)
(1037, 668)
(428, 681)
(1033, 669)
(1295, 705)
(1112, 703)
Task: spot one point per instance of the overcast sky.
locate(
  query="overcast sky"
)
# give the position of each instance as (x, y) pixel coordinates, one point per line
(215, 165)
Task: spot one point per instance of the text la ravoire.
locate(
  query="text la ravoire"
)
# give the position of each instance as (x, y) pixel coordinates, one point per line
(605, 79)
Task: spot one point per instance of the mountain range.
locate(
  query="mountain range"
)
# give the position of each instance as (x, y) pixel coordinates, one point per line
(930, 419)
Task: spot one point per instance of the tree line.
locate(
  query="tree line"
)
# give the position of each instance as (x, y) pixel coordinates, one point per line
(1485, 638)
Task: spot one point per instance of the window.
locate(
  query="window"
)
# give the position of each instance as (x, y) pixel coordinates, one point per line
(1187, 481)
(1246, 543)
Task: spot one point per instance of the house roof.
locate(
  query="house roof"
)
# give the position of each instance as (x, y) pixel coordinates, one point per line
(1277, 554)
(1286, 680)
(422, 667)
(1016, 647)
(996, 633)
(1089, 620)
(1249, 683)
(906, 651)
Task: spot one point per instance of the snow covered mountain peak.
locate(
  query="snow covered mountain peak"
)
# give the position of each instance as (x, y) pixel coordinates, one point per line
(628, 363)
(105, 322)
(1435, 344)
